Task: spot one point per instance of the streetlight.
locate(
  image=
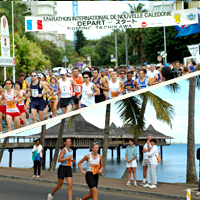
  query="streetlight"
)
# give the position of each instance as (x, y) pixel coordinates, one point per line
(65, 60)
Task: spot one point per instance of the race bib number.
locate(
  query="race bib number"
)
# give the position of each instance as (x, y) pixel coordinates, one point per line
(20, 102)
(53, 98)
(114, 94)
(64, 90)
(34, 92)
(95, 169)
(79, 88)
(68, 163)
(127, 92)
(10, 104)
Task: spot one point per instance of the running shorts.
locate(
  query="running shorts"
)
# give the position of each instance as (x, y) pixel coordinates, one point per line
(64, 171)
(13, 115)
(91, 180)
(76, 99)
(3, 109)
(64, 102)
(100, 98)
(38, 104)
(22, 109)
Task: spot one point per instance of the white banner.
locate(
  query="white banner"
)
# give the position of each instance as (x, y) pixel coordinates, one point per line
(7, 61)
(193, 49)
(117, 21)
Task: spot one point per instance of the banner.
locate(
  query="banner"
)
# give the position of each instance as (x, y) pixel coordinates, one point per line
(193, 49)
(117, 21)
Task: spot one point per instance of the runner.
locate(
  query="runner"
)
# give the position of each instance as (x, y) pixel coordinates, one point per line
(11, 98)
(53, 100)
(130, 85)
(65, 88)
(78, 79)
(50, 75)
(36, 94)
(21, 105)
(103, 76)
(101, 85)
(64, 170)
(152, 72)
(157, 77)
(122, 75)
(143, 81)
(2, 108)
(94, 162)
(89, 90)
(116, 87)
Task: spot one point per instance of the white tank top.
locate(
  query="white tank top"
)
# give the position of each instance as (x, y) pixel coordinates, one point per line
(113, 88)
(91, 163)
(85, 99)
(21, 103)
(10, 106)
(65, 88)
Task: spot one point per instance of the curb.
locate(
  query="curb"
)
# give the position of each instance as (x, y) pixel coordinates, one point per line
(104, 189)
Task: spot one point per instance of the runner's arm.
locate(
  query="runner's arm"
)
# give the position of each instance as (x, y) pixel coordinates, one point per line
(136, 85)
(104, 84)
(27, 85)
(62, 153)
(75, 84)
(97, 91)
(101, 164)
(121, 87)
(2, 98)
(52, 90)
(57, 90)
(81, 161)
(17, 94)
(47, 90)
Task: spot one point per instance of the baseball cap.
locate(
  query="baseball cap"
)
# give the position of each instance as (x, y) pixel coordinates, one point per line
(86, 69)
(145, 63)
(40, 75)
(111, 70)
(63, 71)
(166, 64)
(158, 65)
(56, 74)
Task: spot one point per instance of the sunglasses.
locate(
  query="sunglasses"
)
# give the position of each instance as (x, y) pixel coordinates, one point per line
(33, 75)
(8, 83)
(121, 73)
(86, 77)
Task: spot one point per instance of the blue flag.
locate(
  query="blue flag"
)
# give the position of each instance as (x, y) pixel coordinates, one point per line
(188, 30)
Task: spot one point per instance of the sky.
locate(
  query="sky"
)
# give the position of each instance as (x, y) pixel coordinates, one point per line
(64, 8)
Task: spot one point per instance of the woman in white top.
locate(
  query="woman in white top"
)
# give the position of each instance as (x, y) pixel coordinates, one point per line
(89, 90)
(11, 98)
(116, 87)
(94, 167)
(153, 162)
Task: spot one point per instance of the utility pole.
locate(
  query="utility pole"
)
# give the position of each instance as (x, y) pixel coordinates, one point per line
(126, 49)
(116, 64)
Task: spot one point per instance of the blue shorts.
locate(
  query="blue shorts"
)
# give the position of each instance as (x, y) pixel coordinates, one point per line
(39, 104)
(83, 106)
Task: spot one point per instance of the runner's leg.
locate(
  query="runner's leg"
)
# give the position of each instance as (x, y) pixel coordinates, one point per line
(94, 193)
(58, 186)
(17, 123)
(23, 116)
(68, 109)
(69, 183)
(1, 117)
(9, 122)
(41, 115)
(88, 196)
(34, 115)
(55, 103)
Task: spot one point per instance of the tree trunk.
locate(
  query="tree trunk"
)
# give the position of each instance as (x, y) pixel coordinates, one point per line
(191, 168)
(42, 142)
(58, 144)
(106, 139)
(3, 147)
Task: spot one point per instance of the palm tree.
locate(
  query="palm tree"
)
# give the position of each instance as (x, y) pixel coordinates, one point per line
(134, 35)
(191, 168)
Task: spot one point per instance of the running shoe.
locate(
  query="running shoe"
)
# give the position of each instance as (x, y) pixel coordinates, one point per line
(38, 119)
(135, 184)
(22, 122)
(153, 186)
(37, 176)
(146, 185)
(27, 115)
(128, 183)
(77, 198)
(51, 115)
(34, 176)
(198, 193)
(143, 183)
(49, 197)
(46, 117)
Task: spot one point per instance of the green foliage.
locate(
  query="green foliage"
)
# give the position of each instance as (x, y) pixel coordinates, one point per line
(153, 41)
(80, 42)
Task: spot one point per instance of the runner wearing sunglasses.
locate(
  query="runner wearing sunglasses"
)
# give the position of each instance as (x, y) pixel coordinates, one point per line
(12, 97)
(36, 93)
(94, 168)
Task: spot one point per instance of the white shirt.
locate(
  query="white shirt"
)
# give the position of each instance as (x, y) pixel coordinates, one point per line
(153, 155)
(38, 148)
(146, 147)
(151, 74)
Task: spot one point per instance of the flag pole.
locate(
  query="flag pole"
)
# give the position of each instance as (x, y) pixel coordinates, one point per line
(13, 42)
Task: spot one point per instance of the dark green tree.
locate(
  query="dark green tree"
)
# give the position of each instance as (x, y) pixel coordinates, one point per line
(80, 41)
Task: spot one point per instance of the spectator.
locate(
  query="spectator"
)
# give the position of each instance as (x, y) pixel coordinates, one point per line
(166, 74)
(185, 70)
(193, 66)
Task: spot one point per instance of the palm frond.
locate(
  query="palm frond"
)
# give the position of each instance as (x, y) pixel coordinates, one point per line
(69, 126)
(173, 88)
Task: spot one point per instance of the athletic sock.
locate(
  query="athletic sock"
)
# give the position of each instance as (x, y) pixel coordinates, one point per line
(144, 180)
(135, 182)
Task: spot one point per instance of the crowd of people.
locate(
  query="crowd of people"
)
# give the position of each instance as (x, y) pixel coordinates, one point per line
(63, 91)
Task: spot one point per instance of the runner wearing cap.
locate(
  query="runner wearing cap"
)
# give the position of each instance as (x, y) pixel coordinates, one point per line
(36, 93)
(101, 85)
(89, 90)
(11, 98)
(78, 79)
(65, 89)
(116, 87)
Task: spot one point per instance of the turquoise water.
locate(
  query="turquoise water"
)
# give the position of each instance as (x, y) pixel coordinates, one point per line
(172, 168)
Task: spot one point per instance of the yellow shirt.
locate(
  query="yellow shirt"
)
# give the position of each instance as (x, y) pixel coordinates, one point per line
(24, 86)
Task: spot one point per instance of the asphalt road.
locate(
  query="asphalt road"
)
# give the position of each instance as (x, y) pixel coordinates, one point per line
(25, 190)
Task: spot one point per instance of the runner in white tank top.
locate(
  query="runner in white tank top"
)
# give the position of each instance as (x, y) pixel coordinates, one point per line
(94, 168)
(89, 90)
(116, 87)
(12, 112)
(21, 105)
(65, 85)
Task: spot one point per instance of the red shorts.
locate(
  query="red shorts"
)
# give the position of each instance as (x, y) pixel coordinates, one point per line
(3, 109)
(13, 115)
(22, 109)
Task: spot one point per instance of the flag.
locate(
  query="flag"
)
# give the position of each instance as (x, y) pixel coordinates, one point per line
(188, 29)
(31, 25)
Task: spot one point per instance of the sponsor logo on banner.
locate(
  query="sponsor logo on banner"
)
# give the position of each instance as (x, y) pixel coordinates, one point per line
(177, 18)
(144, 24)
(191, 17)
